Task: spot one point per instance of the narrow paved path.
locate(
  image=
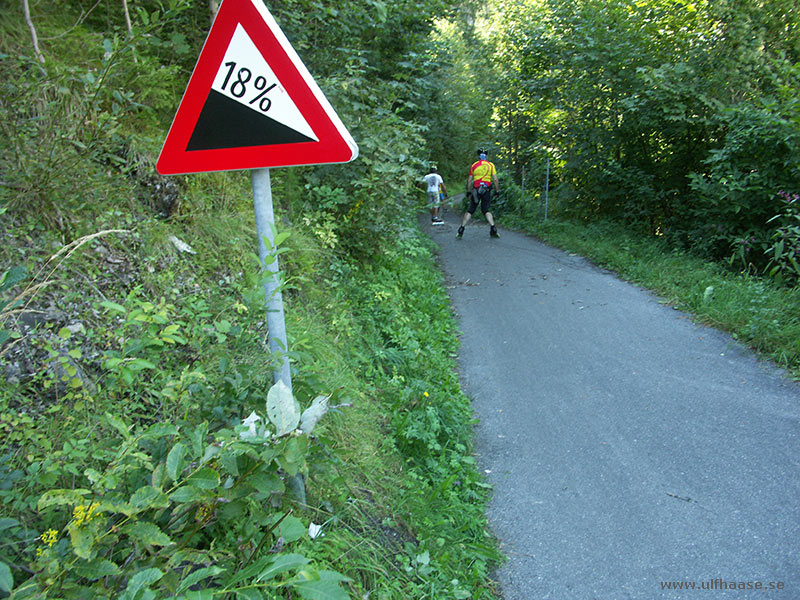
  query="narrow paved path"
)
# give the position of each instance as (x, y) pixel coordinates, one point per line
(628, 447)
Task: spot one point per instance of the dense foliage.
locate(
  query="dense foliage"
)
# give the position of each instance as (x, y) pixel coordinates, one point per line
(144, 451)
(679, 118)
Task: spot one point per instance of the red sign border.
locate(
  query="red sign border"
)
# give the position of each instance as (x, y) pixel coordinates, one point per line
(335, 144)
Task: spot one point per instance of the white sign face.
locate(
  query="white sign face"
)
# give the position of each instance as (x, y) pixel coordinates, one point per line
(245, 76)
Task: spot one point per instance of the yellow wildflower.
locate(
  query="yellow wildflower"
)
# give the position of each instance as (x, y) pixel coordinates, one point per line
(85, 513)
(49, 537)
(93, 512)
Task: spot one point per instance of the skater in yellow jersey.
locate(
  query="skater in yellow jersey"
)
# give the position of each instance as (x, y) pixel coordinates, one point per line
(482, 185)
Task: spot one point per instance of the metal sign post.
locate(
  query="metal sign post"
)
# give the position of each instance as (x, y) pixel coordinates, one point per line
(252, 104)
(265, 225)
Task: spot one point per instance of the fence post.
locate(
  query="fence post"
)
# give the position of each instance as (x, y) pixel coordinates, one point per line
(547, 188)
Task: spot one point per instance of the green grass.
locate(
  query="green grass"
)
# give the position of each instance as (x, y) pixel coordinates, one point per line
(755, 311)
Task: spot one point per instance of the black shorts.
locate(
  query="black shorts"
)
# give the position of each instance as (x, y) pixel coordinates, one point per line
(484, 199)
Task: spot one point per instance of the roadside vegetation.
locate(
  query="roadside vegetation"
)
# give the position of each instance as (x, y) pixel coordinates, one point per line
(137, 468)
(144, 450)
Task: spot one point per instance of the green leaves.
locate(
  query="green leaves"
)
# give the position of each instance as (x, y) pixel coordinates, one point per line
(281, 564)
(783, 249)
(8, 279)
(147, 533)
(62, 497)
(6, 578)
(309, 583)
(282, 409)
(324, 586)
(97, 569)
(113, 307)
(150, 522)
(146, 330)
(312, 415)
(175, 461)
(82, 540)
(187, 494)
(11, 277)
(148, 497)
(139, 582)
(655, 116)
(197, 576)
(204, 479)
(118, 424)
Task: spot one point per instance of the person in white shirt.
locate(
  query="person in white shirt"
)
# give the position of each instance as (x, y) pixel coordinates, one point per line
(435, 182)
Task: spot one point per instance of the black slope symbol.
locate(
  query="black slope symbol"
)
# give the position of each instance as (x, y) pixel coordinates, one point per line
(225, 123)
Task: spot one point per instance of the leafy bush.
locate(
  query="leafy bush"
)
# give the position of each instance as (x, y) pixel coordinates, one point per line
(775, 249)
(783, 250)
(167, 484)
(174, 509)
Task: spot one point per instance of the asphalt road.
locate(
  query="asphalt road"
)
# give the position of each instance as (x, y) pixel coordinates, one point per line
(628, 446)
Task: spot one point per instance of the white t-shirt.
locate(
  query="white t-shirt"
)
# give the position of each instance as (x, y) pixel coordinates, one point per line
(434, 180)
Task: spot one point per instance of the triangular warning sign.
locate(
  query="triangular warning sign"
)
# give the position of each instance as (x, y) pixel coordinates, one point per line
(251, 103)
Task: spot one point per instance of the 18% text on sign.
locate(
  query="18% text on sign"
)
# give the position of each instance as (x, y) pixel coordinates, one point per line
(239, 86)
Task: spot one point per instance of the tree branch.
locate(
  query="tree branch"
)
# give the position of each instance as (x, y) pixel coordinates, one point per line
(27, 10)
(128, 24)
(127, 17)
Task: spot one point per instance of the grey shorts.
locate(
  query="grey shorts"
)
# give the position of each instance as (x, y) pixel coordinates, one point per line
(433, 199)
